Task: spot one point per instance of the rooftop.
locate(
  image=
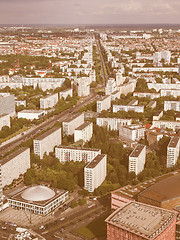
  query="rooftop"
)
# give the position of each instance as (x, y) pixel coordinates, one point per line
(79, 148)
(138, 149)
(141, 219)
(84, 125)
(173, 142)
(73, 117)
(31, 111)
(49, 132)
(50, 95)
(95, 161)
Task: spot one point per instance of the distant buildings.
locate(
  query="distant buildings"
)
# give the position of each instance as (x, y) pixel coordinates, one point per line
(49, 101)
(70, 124)
(103, 104)
(112, 123)
(137, 159)
(158, 56)
(83, 87)
(65, 153)
(95, 172)
(126, 108)
(173, 149)
(7, 103)
(83, 132)
(14, 164)
(46, 142)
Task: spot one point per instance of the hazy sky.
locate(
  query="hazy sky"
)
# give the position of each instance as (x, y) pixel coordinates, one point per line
(89, 11)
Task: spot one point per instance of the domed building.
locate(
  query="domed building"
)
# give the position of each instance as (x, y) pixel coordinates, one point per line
(38, 199)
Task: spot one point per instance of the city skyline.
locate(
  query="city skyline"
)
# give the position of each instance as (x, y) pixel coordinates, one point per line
(93, 12)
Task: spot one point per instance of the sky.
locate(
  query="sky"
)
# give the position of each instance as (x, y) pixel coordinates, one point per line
(89, 11)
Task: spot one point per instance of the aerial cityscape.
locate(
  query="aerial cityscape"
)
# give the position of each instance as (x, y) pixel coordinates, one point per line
(89, 120)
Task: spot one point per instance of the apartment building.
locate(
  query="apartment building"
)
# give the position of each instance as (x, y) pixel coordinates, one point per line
(65, 153)
(95, 172)
(137, 159)
(4, 120)
(157, 115)
(115, 95)
(15, 164)
(170, 92)
(133, 132)
(152, 104)
(110, 86)
(65, 93)
(145, 94)
(46, 142)
(127, 87)
(113, 123)
(173, 151)
(70, 124)
(83, 87)
(83, 132)
(7, 103)
(103, 104)
(31, 114)
(172, 105)
(48, 101)
(163, 124)
(126, 108)
(164, 86)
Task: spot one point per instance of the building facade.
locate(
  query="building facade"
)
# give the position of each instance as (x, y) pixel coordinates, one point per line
(95, 172)
(4, 121)
(103, 104)
(31, 114)
(113, 123)
(172, 105)
(83, 132)
(7, 103)
(173, 151)
(46, 142)
(70, 124)
(132, 132)
(65, 93)
(48, 101)
(137, 159)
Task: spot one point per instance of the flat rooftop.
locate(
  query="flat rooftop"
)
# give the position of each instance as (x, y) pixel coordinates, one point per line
(95, 161)
(31, 111)
(49, 132)
(133, 102)
(103, 98)
(73, 117)
(79, 148)
(151, 103)
(144, 220)
(173, 142)
(138, 149)
(12, 155)
(157, 113)
(84, 125)
(50, 95)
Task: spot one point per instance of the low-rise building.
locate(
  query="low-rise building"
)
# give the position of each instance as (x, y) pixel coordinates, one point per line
(48, 101)
(83, 87)
(95, 172)
(173, 151)
(65, 93)
(170, 92)
(172, 105)
(4, 120)
(31, 114)
(126, 108)
(115, 95)
(14, 164)
(76, 154)
(70, 124)
(137, 159)
(112, 123)
(103, 104)
(83, 132)
(133, 132)
(46, 142)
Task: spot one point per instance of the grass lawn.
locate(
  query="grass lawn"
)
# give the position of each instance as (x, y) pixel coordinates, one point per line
(94, 229)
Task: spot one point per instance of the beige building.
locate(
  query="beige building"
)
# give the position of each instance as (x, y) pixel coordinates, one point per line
(132, 132)
(48, 101)
(15, 164)
(173, 151)
(137, 159)
(126, 108)
(113, 123)
(84, 132)
(76, 154)
(7, 103)
(95, 172)
(4, 120)
(46, 142)
(70, 124)
(163, 124)
(65, 93)
(103, 104)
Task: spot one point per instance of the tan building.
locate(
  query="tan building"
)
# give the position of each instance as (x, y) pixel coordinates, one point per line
(137, 159)
(48, 101)
(46, 142)
(84, 132)
(173, 151)
(70, 124)
(7, 103)
(4, 120)
(103, 104)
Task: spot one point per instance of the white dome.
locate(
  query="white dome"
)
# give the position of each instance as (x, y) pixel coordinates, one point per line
(38, 193)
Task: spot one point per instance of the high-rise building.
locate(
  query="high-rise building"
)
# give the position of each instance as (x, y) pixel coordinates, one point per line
(173, 151)
(103, 104)
(7, 103)
(137, 159)
(48, 101)
(70, 124)
(84, 132)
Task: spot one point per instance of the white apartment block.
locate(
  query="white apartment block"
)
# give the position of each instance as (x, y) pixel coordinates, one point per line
(127, 88)
(170, 92)
(46, 142)
(76, 154)
(163, 124)
(103, 104)
(157, 115)
(70, 124)
(110, 86)
(158, 56)
(155, 69)
(119, 78)
(126, 108)
(172, 105)
(4, 120)
(137, 159)
(83, 132)
(31, 114)
(113, 123)
(173, 151)
(7, 104)
(83, 87)
(164, 86)
(132, 132)
(95, 172)
(65, 93)
(115, 95)
(145, 94)
(15, 164)
(48, 101)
